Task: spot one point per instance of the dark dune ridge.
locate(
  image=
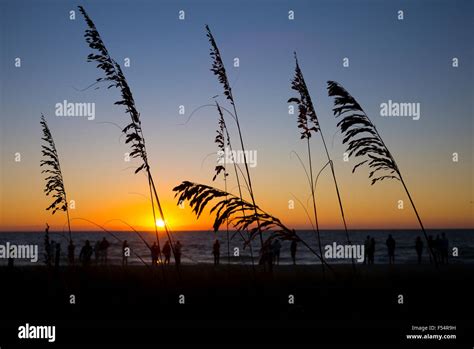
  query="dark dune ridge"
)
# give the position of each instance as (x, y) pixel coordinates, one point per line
(331, 307)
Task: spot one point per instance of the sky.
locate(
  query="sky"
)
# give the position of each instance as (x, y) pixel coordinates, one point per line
(407, 60)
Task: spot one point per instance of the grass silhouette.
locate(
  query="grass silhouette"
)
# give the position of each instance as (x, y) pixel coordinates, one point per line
(242, 214)
(363, 140)
(133, 131)
(218, 69)
(54, 180)
(308, 123)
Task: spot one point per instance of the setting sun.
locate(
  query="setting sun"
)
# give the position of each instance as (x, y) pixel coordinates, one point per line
(160, 223)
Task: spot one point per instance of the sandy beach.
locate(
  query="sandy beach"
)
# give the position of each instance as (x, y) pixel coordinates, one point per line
(363, 305)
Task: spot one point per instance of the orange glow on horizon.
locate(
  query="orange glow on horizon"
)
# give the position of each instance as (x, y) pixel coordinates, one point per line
(365, 206)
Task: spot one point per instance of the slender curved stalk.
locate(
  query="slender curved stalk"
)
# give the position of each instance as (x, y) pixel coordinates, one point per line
(309, 123)
(341, 208)
(218, 69)
(54, 180)
(430, 248)
(229, 143)
(364, 140)
(133, 131)
(200, 196)
(315, 212)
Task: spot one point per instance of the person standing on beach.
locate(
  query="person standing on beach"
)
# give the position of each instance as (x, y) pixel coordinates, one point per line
(437, 249)
(293, 246)
(430, 248)
(276, 247)
(70, 252)
(216, 251)
(177, 252)
(125, 253)
(444, 248)
(48, 258)
(391, 249)
(52, 250)
(419, 248)
(167, 252)
(371, 251)
(154, 253)
(366, 249)
(85, 254)
(97, 252)
(103, 248)
(57, 257)
(266, 255)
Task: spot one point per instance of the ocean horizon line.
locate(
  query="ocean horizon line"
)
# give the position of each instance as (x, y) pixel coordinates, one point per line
(230, 230)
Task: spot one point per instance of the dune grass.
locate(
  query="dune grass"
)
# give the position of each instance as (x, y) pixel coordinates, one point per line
(54, 181)
(219, 70)
(308, 124)
(133, 131)
(363, 140)
(243, 215)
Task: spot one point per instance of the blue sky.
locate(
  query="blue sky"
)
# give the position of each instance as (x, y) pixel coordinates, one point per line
(407, 61)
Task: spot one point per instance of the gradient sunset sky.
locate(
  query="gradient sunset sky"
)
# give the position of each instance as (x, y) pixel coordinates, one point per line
(402, 61)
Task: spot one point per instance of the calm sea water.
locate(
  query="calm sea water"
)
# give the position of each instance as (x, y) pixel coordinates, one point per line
(197, 246)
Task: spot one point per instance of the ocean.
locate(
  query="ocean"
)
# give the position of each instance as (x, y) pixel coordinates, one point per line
(197, 245)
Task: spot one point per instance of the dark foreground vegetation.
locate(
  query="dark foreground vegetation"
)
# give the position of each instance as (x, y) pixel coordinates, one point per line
(226, 304)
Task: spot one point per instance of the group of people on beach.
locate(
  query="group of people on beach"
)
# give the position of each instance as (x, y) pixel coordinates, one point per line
(176, 249)
(369, 249)
(269, 253)
(437, 249)
(100, 252)
(101, 247)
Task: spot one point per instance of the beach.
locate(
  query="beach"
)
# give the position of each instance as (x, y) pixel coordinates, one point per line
(197, 245)
(303, 300)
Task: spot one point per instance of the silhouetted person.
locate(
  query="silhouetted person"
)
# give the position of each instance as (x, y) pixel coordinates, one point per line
(266, 255)
(437, 248)
(444, 248)
(371, 251)
(177, 252)
(430, 248)
(48, 258)
(269, 255)
(125, 253)
(104, 246)
(167, 252)
(11, 261)
(293, 247)
(216, 251)
(366, 249)
(391, 249)
(52, 251)
(154, 253)
(97, 252)
(57, 256)
(419, 248)
(86, 254)
(262, 254)
(276, 247)
(71, 248)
